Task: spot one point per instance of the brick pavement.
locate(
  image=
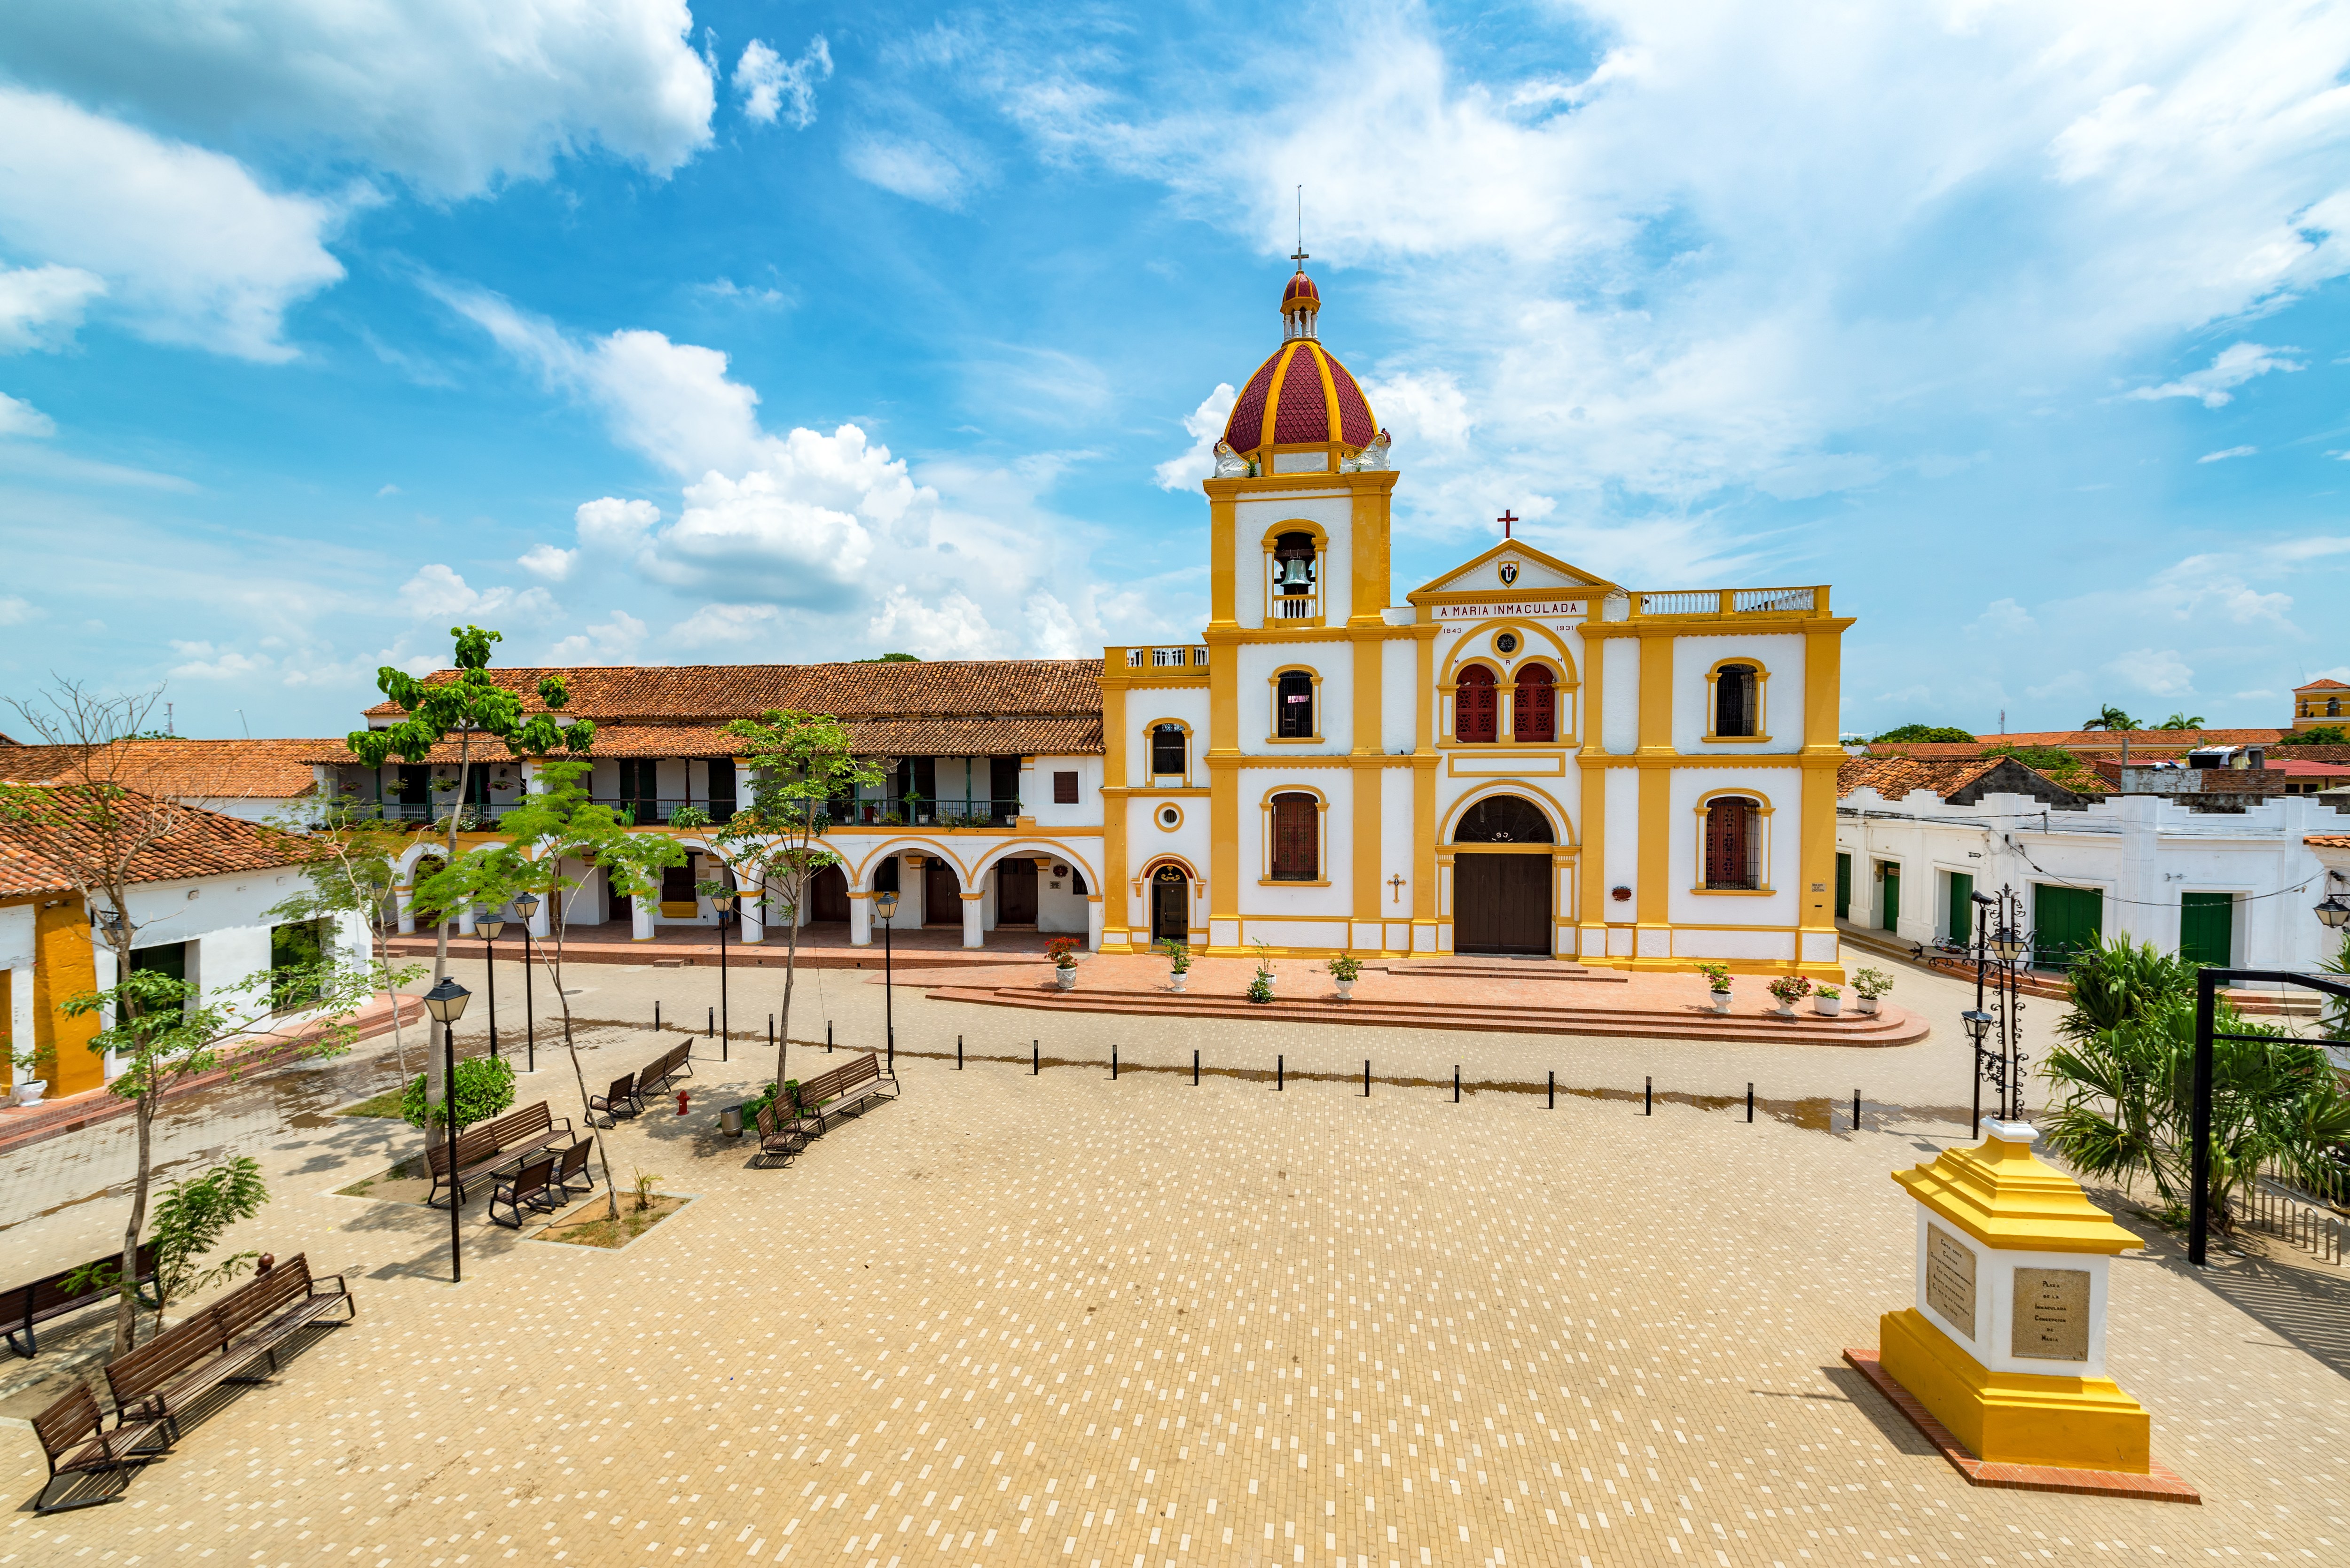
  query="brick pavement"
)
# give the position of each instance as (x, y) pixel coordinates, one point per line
(1061, 1320)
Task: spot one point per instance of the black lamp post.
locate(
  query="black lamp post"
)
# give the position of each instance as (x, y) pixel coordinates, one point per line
(446, 1002)
(487, 924)
(527, 905)
(725, 904)
(1999, 952)
(887, 902)
(2331, 912)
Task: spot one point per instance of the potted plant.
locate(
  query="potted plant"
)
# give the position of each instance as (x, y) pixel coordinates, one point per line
(1062, 950)
(1343, 968)
(1261, 989)
(27, 1089)
(1179, 963)
(1868, 985)
(1827, 1001)
(1263, 963)
(1717, 985)
(1789, 989)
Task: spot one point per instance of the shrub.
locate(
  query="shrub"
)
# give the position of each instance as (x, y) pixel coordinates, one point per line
(1178, 955)
(1260, 990)
(2116, 982)
(1717, 977)
(1063, 952)
(1830, 991)
(1344, 967)
(1790, 987)
(485, 1088)
(1910, 734)
(1872, 983)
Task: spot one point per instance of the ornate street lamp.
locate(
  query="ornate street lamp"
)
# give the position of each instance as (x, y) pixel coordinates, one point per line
(487, 924)
(527, 905)
(887, 902)
(724, 902)
(2331, 912)
(446, 1002)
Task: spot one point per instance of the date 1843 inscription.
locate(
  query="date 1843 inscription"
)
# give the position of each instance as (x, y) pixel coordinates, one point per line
(1951, 1279)
(2052, 1315)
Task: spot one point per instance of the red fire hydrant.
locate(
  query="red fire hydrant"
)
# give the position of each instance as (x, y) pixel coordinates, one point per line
(682, 1095)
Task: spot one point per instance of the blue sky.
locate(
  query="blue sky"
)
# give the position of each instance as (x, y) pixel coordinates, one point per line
(765, 332)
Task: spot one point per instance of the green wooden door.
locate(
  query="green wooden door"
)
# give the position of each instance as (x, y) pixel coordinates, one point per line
(1888, 876)
(2065, 921)
(2207, 928)
(1962, 908)
(1844, 887)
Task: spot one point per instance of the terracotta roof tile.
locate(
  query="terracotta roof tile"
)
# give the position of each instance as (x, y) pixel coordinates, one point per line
(1049, 734)
(38, 840)
(2326, 684)
(2327, 840)
(180, 770)
(1896, 777)
(704, 693)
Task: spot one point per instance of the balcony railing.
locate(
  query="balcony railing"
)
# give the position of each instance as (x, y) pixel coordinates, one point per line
(947, 811)
(1193, 658)
(950, 811)
(1730, 601)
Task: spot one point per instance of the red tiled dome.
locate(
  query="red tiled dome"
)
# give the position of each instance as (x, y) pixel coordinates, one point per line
(1301, 396)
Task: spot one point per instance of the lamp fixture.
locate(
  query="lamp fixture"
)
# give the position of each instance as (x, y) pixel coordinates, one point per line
(1977, 1024)
(446, 1001)
(887, 902)
(525, 905)
(488, 923)
(726, 900)
(2007, 944)
(2334, 912)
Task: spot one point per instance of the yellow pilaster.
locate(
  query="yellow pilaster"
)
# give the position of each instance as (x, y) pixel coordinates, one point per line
(1424, 787)
(1656, 826)
(1116, 809)
(1368, 547)
(64, 965)
(1592, 789)
(1823, 716)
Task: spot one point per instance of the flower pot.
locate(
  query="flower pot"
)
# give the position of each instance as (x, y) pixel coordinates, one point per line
(1346, 991)
(1866, 1003)
(1783, 1010)
(1827, 1006)
(1065, 978)
(1719, 1001)
(29, 1091)
(1175, 981)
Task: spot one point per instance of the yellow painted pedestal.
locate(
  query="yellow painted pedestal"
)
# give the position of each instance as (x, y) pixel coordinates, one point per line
(2010, 1417)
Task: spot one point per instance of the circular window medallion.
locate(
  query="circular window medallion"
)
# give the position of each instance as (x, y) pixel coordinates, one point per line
(1507, 642)
(1170, 817)
(1060, 871)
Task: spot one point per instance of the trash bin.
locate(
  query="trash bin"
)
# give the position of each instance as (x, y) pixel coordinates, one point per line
(729, 1121)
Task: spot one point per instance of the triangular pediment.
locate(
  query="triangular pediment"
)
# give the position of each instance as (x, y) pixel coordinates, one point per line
(1512, 567)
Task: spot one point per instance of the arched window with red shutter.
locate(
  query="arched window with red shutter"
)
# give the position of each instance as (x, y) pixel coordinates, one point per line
(1476, 706)
(1733, 843)
(1536, 715)
(1297, 839)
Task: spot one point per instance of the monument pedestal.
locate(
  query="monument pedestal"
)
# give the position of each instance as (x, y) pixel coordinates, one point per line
(2004, 1345)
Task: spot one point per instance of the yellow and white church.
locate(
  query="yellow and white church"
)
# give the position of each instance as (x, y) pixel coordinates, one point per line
(1521, 758)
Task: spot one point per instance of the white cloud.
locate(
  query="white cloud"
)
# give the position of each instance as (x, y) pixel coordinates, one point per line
(798, 527)
(449, 95)
(2223, 455)
(1426, 412)
(728, 626)
(2154, 670)
(613, 641)
(546, 561)
(2003, 618)
(2232, 366)
(191, 250)
(955, 628)
(615, 527)
(438, 593)
(387, 490)
(1205, 426)
(18, 418)
(202, 662)
(914, 168)
(14, 611)
(772, 89)
(41, 306)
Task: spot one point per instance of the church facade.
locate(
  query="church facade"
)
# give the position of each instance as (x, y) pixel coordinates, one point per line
(1521, 758)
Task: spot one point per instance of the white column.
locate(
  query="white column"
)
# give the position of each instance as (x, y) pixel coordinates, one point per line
(640, 919)
(466, 921)
(1093, 922)
(860, 919)
(542, 920)
(972, 936)
(405, 898)
(754, 905)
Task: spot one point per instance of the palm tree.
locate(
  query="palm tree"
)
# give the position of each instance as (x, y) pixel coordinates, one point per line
(2111, 718)
(2181, 722)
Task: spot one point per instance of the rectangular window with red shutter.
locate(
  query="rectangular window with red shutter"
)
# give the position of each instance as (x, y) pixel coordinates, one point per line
(1295, 838)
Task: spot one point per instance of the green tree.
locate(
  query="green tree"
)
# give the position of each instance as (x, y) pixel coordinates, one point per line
(2318, 735)
(351, 872)
(2111, 718)
(1913, 734)
(800, 763)
(485, 1088)
(2117, 982)
(191, 1218)
(476, 710)
(2337, 1019)
(556, 825)
(2058, 764)
(2181, 722)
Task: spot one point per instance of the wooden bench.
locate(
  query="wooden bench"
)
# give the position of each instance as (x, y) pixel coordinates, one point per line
(491, 1147)
(77, 1444)
(532, 1183)
(160, 1379)
(44, 1299)
(778, 1138)
(622, 1095)
(846, 1091)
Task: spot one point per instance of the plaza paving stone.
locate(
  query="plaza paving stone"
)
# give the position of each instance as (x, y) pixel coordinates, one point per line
(1057, 1319)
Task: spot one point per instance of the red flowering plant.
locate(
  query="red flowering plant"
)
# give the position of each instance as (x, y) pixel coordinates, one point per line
(1063, 952)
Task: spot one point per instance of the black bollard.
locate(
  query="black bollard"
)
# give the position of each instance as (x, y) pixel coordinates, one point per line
(656, 1015)
(1856, 1110)
(827, 1037)
(1280, 1073)
(1649, 1097)
(1035, 1058)
(1550, 1081)
(1456, 1083)
(771, 1032)
(1113, 1063)
(1367, 1078)
(1195, 1069)
(958, 1053)
(711, 1026)
(1750, 1102)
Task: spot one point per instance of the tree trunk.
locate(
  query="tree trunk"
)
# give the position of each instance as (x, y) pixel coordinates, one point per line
(579, 1074)
(433, 1063)
(790, 967)
(126, 1306)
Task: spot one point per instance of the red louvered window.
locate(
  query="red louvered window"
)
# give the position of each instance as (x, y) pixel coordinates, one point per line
(1536, 716)
(1296, 855)
(1476, 706)
(1732, 843)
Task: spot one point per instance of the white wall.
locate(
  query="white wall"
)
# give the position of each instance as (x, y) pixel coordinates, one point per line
(1333, 661)
(1783, 715)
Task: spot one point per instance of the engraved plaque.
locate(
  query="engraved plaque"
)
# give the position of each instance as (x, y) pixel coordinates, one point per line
(1951, 1279)
(2052, 1315)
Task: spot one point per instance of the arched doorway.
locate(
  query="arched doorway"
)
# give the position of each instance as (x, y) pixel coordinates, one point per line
(1502, 898)
(1170, 905)
(828, 895)
(1015, 891)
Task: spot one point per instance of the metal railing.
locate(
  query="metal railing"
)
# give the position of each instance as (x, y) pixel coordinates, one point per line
(947, 811)
(1727, 601)
(1191, 658)
(2306, 1209)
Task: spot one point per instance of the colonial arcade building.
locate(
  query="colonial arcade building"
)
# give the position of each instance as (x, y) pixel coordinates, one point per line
(1519, 758)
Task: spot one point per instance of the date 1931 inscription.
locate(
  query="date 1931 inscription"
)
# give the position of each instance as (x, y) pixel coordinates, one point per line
(2052, 1315)
(1951, 1279)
